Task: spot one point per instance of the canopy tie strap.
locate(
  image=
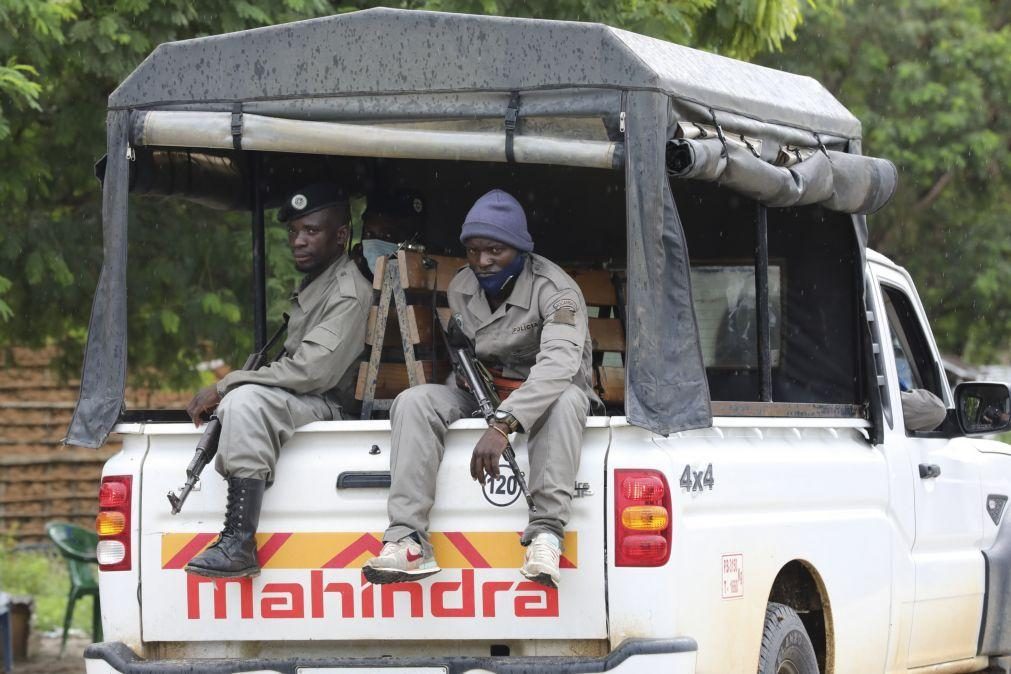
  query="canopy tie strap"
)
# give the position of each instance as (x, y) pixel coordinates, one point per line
(719, 132)
(512, 116)
(821, 145)
(744, 139)
(237, 125)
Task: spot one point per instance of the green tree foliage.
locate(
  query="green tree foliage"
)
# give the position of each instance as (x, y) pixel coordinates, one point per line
(189, 267)
(930, 81)
(739, 28)
(189, 270)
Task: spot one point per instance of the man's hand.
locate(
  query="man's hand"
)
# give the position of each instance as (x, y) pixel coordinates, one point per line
(206, 400)
(484, 460)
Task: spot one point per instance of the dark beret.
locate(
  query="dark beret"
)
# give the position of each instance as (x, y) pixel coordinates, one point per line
(310, 199)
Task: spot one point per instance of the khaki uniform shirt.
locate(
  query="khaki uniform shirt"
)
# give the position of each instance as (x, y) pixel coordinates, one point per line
(326, 337)
(540, 334)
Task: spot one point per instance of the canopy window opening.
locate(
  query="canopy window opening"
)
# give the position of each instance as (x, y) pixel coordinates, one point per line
(813, 303)
(576, 217)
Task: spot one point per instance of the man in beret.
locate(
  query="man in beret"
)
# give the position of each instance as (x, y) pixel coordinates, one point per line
(529, 325)
(389, 219)
(260, 409)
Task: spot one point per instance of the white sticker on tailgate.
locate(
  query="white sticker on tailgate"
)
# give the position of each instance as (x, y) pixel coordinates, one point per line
(733, 576)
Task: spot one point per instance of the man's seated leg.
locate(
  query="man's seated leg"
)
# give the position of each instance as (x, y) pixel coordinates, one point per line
(419, 418)
(256, 421)
(555, 446)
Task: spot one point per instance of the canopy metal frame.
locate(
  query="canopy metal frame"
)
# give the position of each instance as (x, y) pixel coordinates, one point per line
(259, 252)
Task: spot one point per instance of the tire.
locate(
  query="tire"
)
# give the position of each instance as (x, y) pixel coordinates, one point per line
(786, 648)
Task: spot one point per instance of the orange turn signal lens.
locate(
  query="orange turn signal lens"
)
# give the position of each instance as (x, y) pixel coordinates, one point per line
(645, 518)
(110, 523)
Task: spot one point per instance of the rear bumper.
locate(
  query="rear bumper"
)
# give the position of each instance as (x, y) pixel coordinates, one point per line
(672, 656)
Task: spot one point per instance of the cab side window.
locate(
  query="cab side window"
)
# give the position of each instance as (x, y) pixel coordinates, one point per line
(913, 359)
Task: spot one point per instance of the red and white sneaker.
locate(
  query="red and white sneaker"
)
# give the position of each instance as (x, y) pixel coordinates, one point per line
(399, 562)
(540, 564)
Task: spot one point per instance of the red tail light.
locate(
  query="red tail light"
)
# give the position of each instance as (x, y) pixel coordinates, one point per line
(643, 526)
(113, 493)
(113, 523)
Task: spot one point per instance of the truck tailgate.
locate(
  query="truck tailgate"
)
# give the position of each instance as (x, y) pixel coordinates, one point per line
(314, 537)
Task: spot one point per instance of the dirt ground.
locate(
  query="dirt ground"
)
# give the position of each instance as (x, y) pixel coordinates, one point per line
(44, 656)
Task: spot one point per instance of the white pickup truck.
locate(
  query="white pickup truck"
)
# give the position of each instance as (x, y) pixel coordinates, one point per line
(883, 550)
(803, 529)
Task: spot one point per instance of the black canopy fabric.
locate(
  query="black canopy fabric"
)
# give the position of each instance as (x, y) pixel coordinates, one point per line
(382, 66)
(103, 379)
(839, 181)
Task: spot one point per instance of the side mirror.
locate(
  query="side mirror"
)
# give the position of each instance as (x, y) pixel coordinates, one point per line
(983, 407)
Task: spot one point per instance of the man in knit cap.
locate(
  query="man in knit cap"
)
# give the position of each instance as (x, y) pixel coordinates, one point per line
(527, 319)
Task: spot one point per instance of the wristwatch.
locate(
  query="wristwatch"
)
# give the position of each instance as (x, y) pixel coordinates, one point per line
(508, 419)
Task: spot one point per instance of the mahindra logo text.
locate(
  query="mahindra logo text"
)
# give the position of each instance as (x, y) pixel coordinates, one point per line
(444, 599)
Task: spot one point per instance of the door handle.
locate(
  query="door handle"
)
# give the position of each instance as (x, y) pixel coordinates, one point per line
(929, 470)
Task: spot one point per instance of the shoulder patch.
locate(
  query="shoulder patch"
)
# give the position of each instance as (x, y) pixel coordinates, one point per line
(563, 308)
(565, 304)
(564, 317)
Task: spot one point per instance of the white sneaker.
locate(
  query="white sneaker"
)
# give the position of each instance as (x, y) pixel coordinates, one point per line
(401, 561)
(541, 561)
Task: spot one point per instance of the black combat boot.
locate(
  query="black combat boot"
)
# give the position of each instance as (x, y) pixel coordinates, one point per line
(233, 555)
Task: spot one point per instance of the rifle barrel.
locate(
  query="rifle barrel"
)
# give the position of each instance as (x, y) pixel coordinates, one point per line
(466, 364)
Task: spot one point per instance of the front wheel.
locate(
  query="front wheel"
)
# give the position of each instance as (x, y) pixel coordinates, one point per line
(786, 648)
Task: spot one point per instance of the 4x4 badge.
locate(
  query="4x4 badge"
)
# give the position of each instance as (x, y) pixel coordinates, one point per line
(697, 480)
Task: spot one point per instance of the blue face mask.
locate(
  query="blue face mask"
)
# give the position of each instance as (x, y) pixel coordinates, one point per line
(373, 249)
(494, 284)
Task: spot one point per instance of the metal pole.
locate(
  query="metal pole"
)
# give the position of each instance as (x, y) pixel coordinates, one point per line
(259, 256)
(762, 305)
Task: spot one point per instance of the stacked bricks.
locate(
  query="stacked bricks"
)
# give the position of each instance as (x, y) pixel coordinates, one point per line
(40, 478)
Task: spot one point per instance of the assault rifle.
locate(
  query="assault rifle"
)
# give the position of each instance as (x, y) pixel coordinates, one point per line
(479, 381)
(207, 446)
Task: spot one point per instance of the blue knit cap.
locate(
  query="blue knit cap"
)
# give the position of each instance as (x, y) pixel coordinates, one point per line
(499, 217)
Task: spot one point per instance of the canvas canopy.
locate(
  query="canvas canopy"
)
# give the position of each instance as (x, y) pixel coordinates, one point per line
(423, 85)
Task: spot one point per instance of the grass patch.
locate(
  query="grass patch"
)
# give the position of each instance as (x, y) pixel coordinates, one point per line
(43, 576)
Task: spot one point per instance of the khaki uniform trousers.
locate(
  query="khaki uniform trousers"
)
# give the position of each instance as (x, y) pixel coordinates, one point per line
(420, 417)
(256, 421)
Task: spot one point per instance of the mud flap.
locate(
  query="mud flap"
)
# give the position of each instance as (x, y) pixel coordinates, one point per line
(995, 631)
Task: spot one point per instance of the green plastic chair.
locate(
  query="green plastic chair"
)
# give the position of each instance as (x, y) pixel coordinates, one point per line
(77, 545)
